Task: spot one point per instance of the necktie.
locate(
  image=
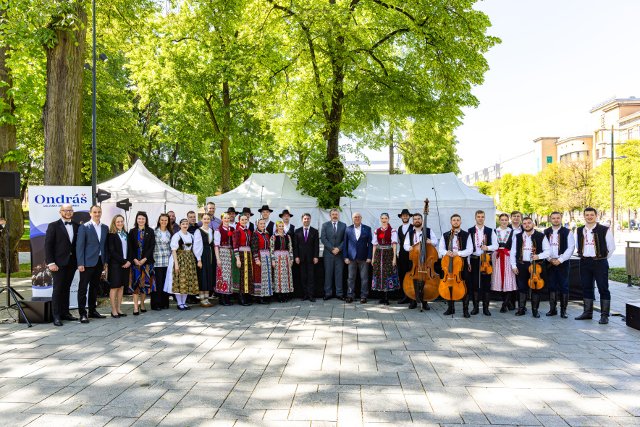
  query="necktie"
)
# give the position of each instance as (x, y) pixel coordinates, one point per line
(305, 234)
(335, 227)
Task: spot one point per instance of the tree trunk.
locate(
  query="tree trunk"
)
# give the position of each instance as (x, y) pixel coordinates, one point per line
(335, 168)
(392, 168)
(62, 113)
(225, 143)
(13, 214)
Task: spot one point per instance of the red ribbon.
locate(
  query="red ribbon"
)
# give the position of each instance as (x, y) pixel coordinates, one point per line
(503, 254)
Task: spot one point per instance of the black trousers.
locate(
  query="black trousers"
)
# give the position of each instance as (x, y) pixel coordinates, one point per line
(61, 289)
(476, 281)
(307, 278)
(522, 278)
(159, 298)
(90, 278)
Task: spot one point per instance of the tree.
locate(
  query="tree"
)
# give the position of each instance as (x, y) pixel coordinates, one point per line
(429, 150)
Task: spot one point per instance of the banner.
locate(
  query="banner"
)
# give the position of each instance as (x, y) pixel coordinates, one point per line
(44, 208)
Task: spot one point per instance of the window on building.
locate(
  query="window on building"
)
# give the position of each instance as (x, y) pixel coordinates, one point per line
(549, 159)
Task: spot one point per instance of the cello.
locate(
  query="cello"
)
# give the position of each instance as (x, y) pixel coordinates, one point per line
(423, 258)
(535, 281)
(452, 287)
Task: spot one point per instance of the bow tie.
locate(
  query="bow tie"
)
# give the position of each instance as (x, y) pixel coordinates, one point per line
(67, 222)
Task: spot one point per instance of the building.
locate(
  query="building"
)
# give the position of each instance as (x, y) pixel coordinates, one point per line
(621, 114)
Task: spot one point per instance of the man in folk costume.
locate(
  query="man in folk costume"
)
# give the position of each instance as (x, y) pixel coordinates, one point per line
(562, 246)
(530, 245)
(484, 240)
(516, 226)
(414, 238)
(265, 213)
(403, 254)
(595, 246)
(232, 216)
(247, 212)
(286, 220)
(457, 242)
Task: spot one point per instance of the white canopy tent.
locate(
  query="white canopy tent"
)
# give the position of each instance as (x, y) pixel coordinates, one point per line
(274, 189)
(378, 193)
(146, 193)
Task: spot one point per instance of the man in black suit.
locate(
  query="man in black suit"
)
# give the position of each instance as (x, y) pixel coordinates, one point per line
(60, 256)
(306, 251)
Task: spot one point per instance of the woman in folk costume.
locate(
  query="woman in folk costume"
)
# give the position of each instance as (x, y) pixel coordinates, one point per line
(385, 273)
(223, 240)
(262, 268)
(244, 261)
(142, 241)
(206, 273)
(282, 259)
(502, 279)
(182, 274)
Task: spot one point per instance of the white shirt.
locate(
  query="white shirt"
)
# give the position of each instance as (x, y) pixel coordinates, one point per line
(217, 237)
(97, 228)
(589, 247)
(417, 237)
(195, 238)
(123, 241)
(394, 237)
(442, 247)
(478, 238)
(554, 242)
(527, 249)
(357, 231)
(69, 228)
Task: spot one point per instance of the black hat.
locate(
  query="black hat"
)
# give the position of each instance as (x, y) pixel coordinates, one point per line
(232, 210)
(285, 212)
(404, 211)
(247, 210)
(265, 208)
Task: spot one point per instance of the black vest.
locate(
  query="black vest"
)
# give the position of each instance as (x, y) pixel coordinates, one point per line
(537, 238)
(401, 236)
(600, 236)
(487, 235)
(412, 232)
(463, 236)
(563, 233)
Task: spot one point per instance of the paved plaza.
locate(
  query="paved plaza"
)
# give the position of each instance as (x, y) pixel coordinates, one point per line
(323, 363)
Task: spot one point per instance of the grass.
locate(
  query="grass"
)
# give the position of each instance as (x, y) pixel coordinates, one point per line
(619, 274)
(25, 272)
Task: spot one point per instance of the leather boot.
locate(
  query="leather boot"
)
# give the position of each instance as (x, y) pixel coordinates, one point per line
(605, 307)
(465, 306)
(535, 304)
(587, 313)
(564, 302)
(451, 309)
(485, 303)
(522, 304)
(505, 304)
(513, 295)
(476, 304)
(553, 304)
(425, 305)
(413, 304)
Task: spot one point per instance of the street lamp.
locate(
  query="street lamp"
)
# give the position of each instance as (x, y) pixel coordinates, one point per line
(94, 148)
(613, 158)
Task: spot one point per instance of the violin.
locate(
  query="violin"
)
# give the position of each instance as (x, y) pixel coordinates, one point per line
(485, 260)
(423, 258)
(452, 286)
(535, 272)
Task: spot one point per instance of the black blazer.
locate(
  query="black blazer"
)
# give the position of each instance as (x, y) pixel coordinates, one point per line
(57, 247)
(114, 247)
(147, 247)
(308, 250)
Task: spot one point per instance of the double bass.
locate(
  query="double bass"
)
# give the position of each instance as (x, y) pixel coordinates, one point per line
(452, 287)
(423, 259)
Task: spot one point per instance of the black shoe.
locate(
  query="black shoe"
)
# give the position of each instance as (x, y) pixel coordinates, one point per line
(83, 319)
(363, 300)
(122, 315)
(348, 300)
(186, 307)
(451, 310)
(180, 307)
(475, 310)
(405, 300)
(504, 308)
(413, 305)
(69, 317)
(587, 313)
(605, 309)
(553, 311)
(326, 298)
(340, 297)
(95, 315)
(115, 316)
(425, 305)
(57, 321)
(156, 309)
(305, 299)
(312, 299)
(142, 310)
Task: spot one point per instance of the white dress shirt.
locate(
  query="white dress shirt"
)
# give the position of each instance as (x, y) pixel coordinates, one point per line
(417, 237)
(357, 231)
(442, 247)
(527, 249)
(394, 237)
(589, 247)
(98, 229)
(478, 238)
(69, 228)
(554, 242)
(123, 241)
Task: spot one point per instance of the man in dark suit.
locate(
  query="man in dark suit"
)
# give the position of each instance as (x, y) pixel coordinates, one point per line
(60, 256)
(357, 251)
(93, 258)
(306, 251)
(332, 237)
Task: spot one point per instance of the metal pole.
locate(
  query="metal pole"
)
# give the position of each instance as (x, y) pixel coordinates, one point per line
(94, 149)
(613, 183)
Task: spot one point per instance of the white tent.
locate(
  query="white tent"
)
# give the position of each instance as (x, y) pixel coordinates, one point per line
(146, 193)
(273, 189)
(378, 193)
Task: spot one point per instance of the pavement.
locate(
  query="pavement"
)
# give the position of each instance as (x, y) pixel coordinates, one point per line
(323, 364)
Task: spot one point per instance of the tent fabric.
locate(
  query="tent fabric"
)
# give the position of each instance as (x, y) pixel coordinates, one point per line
(378, 193)
(276, 190)
(147, 193)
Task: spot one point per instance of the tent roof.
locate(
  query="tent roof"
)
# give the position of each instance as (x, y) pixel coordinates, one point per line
(273, 189)
(400, 191)
(141, 186)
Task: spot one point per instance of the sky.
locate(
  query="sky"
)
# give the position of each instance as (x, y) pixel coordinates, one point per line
(556, 61)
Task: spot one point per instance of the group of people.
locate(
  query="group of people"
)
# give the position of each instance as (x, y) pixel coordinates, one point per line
(233, 255)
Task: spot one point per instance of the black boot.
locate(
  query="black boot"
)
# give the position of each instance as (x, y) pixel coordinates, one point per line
(605, 307)
(451, 309)
(564, 302)
(261, 301)
(505, 304)
(476, 304)
(242, 300)
(465, 306)
(522, 304)
(485, 303)
(553, 304)
(413, 304)
(587, 313)
(425, 305)
(535, 303)
(513, 296)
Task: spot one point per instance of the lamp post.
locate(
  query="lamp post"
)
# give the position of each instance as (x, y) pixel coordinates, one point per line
(94, 148)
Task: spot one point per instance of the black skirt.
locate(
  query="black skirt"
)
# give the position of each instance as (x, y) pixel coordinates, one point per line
(118, 276)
